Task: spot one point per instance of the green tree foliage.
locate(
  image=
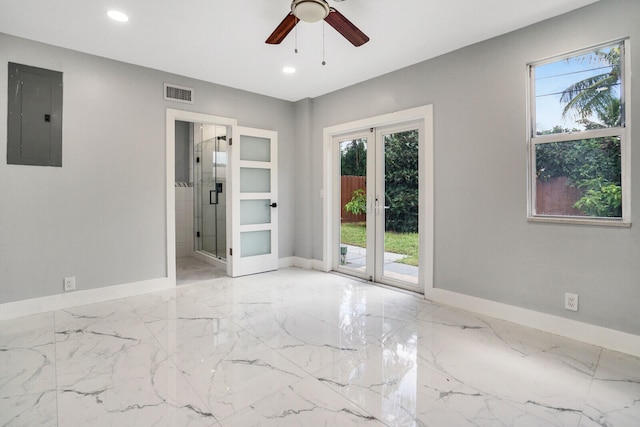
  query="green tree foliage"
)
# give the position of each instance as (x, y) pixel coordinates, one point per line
(592, 165)
(353, 159)
(594, 95)
(358, 203)
(401, 181)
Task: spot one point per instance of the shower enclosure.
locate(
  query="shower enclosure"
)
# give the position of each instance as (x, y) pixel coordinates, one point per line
(210, 189)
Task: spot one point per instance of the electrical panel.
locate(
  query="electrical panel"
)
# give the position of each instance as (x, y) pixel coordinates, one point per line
(34, 122)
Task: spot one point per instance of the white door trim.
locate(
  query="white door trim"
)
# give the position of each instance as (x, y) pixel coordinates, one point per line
(330, 157)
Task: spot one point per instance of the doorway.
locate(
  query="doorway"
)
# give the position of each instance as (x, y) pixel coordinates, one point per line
(380, 225)
(182, 192)
(210, 181)
(249, 215)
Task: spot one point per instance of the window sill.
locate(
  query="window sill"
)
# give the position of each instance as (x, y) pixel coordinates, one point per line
(581, 221)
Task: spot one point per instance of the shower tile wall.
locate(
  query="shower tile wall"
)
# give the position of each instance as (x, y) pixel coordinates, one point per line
(184, 189)
(184, 220)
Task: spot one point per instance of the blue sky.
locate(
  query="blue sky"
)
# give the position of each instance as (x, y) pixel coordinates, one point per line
(553, 78)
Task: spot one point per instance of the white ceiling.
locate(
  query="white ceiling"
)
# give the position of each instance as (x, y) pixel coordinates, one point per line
(222, 41)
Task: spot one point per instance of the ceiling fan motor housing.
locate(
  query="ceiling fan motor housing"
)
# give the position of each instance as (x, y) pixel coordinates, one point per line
(310, 10)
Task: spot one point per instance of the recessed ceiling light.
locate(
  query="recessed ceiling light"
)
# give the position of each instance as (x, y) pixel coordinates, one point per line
(288, 70)
(117, 16)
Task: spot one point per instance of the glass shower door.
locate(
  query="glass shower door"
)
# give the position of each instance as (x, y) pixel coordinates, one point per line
(210, 160)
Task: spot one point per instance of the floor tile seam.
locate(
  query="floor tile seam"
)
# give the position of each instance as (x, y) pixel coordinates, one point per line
(281, 354)
(290, 386)
(348, 399)
(251, 405)
(590, 387)
(257, 402)
(280, 351)
(55, 368)
(508, 398)
(266, 344)
(124, 321)
(27, 410)
(172, 357)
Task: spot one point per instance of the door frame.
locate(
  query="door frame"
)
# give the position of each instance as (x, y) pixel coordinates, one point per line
(188, 116)
(331, 161)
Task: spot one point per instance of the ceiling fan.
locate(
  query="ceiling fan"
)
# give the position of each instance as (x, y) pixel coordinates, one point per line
(314, 11)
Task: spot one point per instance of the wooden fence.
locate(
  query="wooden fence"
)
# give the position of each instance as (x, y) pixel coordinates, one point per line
(349, 184)
(555, 197)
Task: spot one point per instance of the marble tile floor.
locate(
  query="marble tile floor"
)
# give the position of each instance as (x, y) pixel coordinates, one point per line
(190, 269)
(301, 348)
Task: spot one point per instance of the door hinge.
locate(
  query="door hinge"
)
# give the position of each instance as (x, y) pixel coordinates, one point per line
(230, 141)
(197, 234)
(230, 252)
(197, 159)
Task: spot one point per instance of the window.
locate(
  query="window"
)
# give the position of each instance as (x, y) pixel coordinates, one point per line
(578, 145)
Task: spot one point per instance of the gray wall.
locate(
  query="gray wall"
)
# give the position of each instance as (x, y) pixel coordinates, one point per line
(182, 151)
(101, 217)
(484, 245)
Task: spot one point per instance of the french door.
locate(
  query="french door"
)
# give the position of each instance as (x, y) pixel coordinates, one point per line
(379, 171)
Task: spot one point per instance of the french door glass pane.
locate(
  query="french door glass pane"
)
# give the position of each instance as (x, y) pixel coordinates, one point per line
(353, 204)
(400, 210)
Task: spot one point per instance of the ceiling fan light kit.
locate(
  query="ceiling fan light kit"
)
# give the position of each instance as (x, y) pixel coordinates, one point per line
(310, 10)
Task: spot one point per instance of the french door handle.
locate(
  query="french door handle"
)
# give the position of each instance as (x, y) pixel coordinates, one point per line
(274, 205)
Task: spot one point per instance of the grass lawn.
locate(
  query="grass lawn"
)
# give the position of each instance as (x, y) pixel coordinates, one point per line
(398, 243)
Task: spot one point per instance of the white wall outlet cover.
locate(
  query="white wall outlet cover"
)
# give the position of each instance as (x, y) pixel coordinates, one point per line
(571, 301)
(69, 283)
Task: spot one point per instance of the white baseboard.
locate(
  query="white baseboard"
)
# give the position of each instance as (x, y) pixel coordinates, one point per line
(287, 262)
(320, 266)
(28, 307)
(604, 337)
(294, 261)
(592, 334)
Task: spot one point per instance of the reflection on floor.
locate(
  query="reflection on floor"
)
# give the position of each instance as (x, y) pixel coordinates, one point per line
(301, 348)
(356, 258)
(189, 270)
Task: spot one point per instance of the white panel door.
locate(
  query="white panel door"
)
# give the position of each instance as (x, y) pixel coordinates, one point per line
(254, 195)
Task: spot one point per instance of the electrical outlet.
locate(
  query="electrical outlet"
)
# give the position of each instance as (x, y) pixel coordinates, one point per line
(571, 301)
(69, 283)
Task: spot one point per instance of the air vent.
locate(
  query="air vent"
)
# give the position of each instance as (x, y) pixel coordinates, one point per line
(178, 93)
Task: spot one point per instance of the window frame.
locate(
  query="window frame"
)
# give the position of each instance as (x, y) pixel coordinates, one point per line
(623, 132)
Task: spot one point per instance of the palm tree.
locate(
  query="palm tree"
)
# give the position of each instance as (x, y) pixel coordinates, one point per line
(593, 95)
(599, 176)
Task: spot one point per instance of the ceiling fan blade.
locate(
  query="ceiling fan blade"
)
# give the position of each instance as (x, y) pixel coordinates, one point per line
(283, 29)
(346, 28)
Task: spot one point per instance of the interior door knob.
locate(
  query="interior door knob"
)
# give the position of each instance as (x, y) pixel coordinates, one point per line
(274, 205)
